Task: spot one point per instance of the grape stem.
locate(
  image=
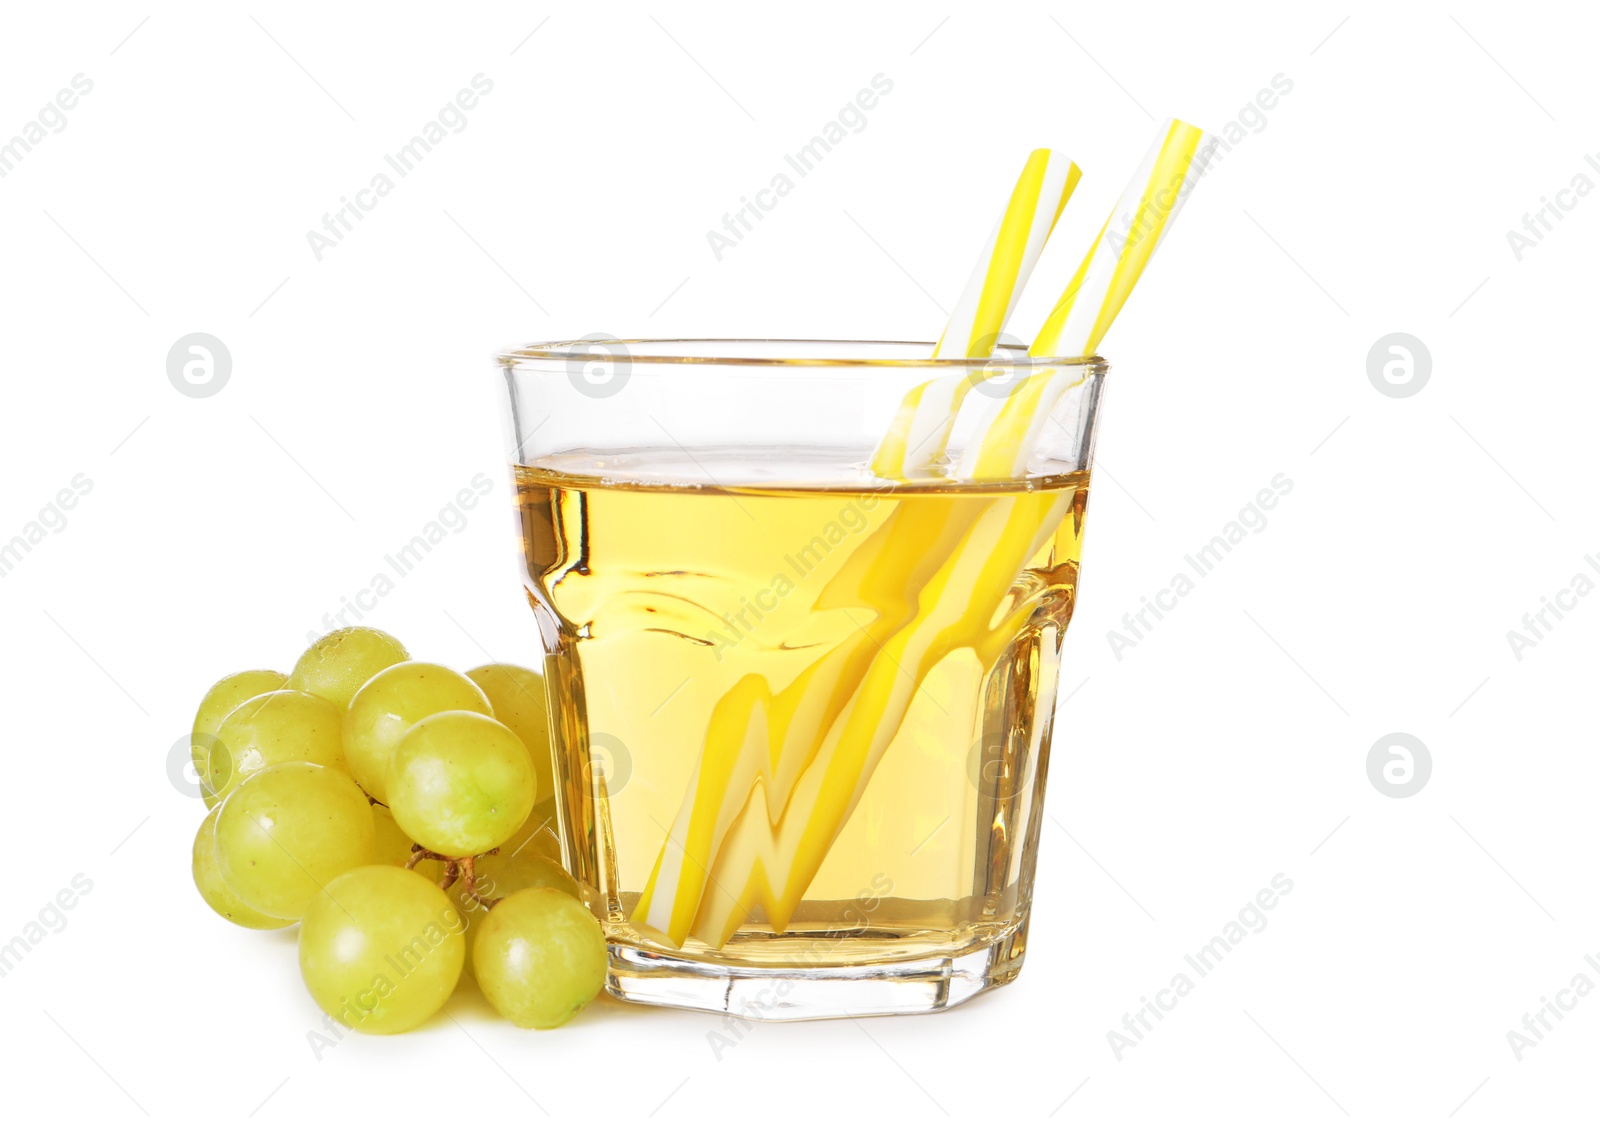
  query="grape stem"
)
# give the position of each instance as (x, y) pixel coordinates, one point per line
(419, 854)
(463, 869)
(469, 882)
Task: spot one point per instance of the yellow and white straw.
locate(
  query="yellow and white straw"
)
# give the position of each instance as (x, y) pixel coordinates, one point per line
(1009, 429)
(922, 425)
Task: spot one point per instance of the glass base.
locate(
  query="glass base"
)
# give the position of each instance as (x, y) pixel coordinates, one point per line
(792, 994)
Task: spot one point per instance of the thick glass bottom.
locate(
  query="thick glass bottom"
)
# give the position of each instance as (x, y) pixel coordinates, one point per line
(911, 985)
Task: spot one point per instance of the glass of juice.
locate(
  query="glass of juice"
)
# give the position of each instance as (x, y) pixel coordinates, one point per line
(801, 713)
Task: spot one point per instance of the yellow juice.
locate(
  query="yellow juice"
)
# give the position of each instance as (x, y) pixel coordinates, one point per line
(801, 723)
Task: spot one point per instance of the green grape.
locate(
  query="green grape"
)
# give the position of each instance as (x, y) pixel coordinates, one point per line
(501, 875)
(215, 706)
(537, 837)
(460, 783)
(215, 891)
(381, 949)
(498, 877)
(287, 831)
(517, 695)
(273, 728)
(388, 704)
(539, 957)
(338, 664)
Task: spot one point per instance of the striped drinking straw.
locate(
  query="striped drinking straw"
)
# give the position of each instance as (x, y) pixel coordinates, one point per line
(922, 425)
(1009, 429)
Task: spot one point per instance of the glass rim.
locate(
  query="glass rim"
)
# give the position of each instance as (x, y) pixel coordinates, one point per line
(593, 350)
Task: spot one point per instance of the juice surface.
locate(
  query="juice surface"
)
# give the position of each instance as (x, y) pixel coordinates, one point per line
(802, 720)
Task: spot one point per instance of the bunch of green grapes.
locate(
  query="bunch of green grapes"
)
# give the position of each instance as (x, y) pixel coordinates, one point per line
(403, 815)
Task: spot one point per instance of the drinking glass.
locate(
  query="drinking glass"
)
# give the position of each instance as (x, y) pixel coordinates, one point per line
(801, 713)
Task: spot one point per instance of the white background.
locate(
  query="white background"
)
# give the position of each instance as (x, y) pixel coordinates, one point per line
(1228, 746)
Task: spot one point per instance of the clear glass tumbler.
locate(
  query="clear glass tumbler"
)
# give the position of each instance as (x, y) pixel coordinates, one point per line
(801, 713)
